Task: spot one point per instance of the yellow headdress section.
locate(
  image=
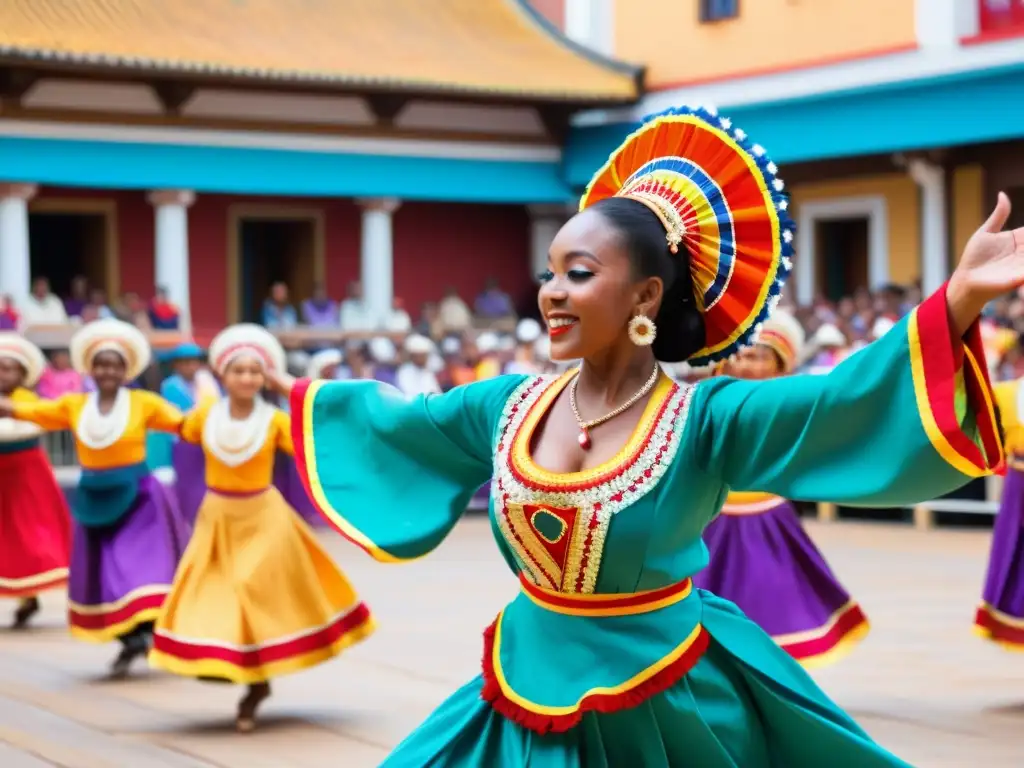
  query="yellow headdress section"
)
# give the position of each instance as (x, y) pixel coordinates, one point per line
(25, 353)
(785, 336)
(110, 336)
(246, 339)
(718, 198)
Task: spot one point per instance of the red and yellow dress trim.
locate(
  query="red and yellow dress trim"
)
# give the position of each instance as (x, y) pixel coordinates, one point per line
(940, 374)
(999, 627)
(655, 678)
(829, 642)
(256, 663)
(556, 524)
(105, 622)
(30, 586)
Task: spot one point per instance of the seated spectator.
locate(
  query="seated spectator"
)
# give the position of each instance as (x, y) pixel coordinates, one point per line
(382, 355)
(429, 324)
(324, 364)
(78, 297)
(320, 310)
(59, 378)
(97, 308)
(131, 309)
(414, 376)
(278, 314)
(524, 360)
(355, 315)
(398, 320)
(9, 317)
(356, 363)
(42, 307)
(828, 347)
(493, 303)
(163, 314)
(454, 315)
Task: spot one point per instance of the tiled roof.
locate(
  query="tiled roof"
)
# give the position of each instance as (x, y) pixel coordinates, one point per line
(487, 47)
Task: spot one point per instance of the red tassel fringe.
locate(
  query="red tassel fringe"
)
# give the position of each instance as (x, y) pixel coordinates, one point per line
(598, 702)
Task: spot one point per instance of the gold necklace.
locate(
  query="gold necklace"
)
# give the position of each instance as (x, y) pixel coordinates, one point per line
(586, 426)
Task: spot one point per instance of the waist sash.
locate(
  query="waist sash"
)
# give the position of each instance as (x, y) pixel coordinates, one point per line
(105, 495)
(550, 657)
(17, 446)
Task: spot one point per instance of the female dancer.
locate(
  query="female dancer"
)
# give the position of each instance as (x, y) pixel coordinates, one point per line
(256, 596)
(184, 389)
(128, 531)
(35, 531)
(760, 556)
(605, 477)
(1000, 617)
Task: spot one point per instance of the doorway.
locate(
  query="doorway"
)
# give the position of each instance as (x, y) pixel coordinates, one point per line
(272, 248)
(64, 245)
(841, 252)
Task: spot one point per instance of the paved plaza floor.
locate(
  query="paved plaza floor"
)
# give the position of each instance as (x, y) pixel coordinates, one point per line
(921, 683)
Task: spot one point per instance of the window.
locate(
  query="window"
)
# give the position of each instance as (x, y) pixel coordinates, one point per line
(719, 10)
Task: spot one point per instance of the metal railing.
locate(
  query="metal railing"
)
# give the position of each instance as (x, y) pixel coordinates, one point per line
(60, 447)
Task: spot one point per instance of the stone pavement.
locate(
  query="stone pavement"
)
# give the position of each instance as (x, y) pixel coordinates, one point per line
(921, 683)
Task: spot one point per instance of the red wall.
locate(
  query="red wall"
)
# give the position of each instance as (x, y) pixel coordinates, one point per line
(436, 245)
(447, 244)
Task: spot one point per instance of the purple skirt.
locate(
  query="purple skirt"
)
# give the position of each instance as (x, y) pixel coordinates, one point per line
(190, 478)
(120, 574)
(764, 562)
(1001, 614)
(288, 482)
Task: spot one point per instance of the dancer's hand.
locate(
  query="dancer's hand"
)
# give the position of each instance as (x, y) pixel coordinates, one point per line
(6, 407)
(280, 382)
(992, 264)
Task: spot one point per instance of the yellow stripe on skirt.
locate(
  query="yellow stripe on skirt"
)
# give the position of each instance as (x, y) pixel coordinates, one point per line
(255, 596)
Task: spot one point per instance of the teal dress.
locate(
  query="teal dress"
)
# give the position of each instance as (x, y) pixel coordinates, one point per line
(609, 657)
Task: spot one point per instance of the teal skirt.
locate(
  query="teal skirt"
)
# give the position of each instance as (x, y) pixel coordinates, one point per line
(745, 704)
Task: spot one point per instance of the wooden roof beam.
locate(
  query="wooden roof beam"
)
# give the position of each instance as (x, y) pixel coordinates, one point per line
(173, 95)
(15, 82)
(386, 106)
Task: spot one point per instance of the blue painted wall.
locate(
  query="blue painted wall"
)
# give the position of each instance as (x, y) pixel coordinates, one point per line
(967, 108)
(233, 170)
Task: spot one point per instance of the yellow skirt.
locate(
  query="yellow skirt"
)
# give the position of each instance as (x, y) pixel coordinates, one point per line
(255, 596)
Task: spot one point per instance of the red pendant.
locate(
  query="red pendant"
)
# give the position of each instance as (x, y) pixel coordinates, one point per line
(584, 440)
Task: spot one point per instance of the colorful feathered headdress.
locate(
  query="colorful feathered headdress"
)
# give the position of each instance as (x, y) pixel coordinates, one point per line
(718, 198)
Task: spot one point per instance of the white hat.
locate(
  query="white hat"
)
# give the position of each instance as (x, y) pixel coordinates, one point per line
(486, 342)
(28, 355)
(322, 360)
(528, 331)
(418, 345)
(110, 335)
(246, 339)
(542, 348)
(450, 346)
(881, 327)
(828, 336)
(784, 335)
(382, 349)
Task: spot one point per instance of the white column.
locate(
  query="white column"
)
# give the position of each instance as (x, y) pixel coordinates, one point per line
(931, 179)
(171, 248)
(938, 23)
(15, 261)
(545, 221)
(377, 256)
(591, 23)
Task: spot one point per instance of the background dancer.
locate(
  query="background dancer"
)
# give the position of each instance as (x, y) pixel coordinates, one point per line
(606, 476)
(760, 556)
(35, 529)
(256, 595)
(190, 384)
(128, 531)
(1000, 617)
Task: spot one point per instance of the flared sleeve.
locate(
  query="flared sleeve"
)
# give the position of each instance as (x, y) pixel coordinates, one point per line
(51, 415)
(393, 473)
(908, 418)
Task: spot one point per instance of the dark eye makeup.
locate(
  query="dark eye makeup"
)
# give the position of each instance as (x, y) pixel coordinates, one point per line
(576, 275)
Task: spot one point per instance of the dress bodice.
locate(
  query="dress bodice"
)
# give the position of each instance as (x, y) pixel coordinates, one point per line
(623, 526)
